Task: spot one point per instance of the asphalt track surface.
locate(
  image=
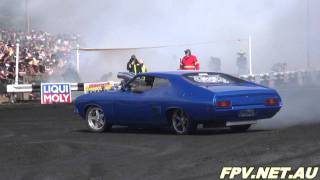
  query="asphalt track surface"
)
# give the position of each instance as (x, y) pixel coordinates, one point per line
(50, 142)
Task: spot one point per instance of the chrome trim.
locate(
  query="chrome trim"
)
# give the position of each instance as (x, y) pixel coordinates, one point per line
(236, 123)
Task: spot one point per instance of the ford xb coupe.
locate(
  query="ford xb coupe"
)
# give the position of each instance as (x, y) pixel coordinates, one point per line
(180, 100)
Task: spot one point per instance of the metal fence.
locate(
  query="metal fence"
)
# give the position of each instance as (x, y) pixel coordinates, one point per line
(290, 79)
(285, 79)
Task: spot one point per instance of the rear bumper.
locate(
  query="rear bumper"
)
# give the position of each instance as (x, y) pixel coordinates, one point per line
(229, 117)
(261, 112)
(236, 123)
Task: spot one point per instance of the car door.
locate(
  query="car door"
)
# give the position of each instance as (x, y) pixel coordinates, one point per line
(160, 95)
(132, 106)
(142, 102)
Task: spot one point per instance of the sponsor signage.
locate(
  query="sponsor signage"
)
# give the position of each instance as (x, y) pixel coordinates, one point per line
(19, 88)
(52, 93)
(97, 87)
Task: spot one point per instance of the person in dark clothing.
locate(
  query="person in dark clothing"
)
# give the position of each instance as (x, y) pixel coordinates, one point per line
(11, 72)
(130, 64)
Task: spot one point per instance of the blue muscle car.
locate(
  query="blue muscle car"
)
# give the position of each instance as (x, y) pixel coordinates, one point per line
(180, 100)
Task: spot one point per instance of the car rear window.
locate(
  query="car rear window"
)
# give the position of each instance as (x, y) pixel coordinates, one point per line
(212, 78)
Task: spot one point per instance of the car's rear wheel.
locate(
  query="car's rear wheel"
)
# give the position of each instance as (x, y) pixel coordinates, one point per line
(96, 120)
(240, 128)
(181, 123)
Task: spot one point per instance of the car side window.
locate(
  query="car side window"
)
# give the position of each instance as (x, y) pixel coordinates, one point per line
(160, 82)
(141, 84)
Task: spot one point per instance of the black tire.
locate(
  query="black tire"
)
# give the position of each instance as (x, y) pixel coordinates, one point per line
(181, 123)
(240, 128)
(96, 120)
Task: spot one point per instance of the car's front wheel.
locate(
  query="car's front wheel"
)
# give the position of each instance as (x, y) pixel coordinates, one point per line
(96, 120)
(181, 123)
(240, 128)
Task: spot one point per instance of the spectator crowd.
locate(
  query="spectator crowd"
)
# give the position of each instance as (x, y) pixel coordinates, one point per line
(40, 53)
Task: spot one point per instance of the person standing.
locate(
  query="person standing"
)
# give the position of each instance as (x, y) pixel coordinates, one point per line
(139, 67)
(136, 66)
(130, 64)
(189, 61)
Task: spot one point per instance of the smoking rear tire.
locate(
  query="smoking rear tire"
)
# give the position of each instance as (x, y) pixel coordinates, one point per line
(240, 128)
(181, 123)
(96, 120)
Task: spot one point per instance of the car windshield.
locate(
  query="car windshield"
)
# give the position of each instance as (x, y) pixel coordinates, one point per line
(212, 78)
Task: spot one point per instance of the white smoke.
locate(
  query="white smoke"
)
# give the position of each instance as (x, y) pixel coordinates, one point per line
(281, 31)
(278, 30)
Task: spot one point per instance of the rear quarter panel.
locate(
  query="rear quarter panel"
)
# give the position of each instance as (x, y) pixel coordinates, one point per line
(196, 101)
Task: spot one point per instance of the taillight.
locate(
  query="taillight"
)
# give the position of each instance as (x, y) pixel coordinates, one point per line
(223, 104)
(272, 101)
